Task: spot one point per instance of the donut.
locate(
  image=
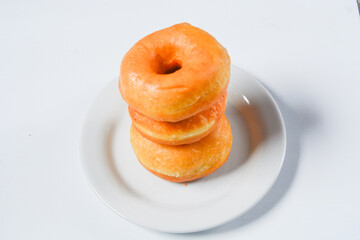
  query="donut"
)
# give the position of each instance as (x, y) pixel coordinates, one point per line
(174, 73)
(186, 131)
(187, 162)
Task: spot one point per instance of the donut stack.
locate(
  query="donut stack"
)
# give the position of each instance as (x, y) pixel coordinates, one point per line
(175, 82)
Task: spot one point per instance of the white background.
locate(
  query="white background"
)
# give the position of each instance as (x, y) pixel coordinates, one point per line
(55, 57)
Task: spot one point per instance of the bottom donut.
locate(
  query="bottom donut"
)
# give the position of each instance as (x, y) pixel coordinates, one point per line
(187, 162)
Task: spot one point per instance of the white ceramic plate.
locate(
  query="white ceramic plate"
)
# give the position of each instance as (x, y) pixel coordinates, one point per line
(131, 191)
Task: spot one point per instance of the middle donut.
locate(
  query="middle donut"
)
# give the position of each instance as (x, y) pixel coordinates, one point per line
(187, 131)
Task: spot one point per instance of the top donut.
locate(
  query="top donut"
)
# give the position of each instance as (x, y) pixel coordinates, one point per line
(174, 73)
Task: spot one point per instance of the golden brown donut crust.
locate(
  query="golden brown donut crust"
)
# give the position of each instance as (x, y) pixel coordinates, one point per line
(186, 131)
(184, 162)
(174, 73)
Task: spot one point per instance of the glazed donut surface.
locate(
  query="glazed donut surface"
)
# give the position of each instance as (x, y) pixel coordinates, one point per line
(185, 162)
(174, 73)
(186, 131)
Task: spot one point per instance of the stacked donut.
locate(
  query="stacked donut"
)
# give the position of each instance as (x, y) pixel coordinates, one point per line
(175, 82)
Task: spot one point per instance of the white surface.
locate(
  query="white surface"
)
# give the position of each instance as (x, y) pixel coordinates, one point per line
(131, 191)
(55, 57)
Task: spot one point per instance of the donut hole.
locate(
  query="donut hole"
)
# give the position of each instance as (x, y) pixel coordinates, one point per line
(164, 66)
(172, 67)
